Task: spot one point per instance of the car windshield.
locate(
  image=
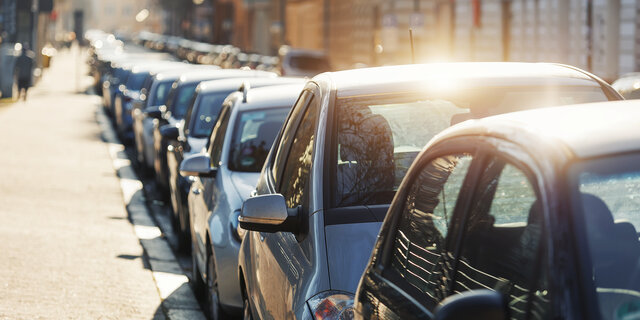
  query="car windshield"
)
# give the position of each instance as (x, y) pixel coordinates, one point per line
(205, 114)
(160, 96)
(380, 136)
(181, 98)
(136, 80)
(253, 137)
(607, 200)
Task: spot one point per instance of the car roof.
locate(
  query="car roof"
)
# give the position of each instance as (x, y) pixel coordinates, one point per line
(417, 77)
(202, 75)
(175, 74)
(226, 84)
(586, 130)
(160, 65)
(277, 96)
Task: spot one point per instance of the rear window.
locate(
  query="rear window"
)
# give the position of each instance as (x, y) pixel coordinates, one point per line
(380, 136)
(309, 63)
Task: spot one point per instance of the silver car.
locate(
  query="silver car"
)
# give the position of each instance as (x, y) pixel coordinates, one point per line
(223, 178)
(191, 136)
(327, 184)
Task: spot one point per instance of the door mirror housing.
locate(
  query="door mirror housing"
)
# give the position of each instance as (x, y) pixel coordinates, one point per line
(476, 304)
(269, 213)
(197, 165)
(170, 132)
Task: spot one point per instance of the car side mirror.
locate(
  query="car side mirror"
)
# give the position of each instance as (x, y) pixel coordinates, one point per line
(153, 112)
(269, 213)
(170, 132)
(197, 165)
(476, 305)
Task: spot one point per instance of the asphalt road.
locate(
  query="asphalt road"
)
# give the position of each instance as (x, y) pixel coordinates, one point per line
(67, 249)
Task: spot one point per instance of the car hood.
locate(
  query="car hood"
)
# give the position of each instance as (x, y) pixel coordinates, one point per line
(349, 248)
(244, 183)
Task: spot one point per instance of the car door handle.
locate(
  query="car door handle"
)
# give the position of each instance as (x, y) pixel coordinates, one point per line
(195, 191)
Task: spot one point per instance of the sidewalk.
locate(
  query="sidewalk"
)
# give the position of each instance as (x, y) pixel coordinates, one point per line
(68, 249)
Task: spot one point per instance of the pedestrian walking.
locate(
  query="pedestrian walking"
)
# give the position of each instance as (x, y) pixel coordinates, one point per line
(24, 71)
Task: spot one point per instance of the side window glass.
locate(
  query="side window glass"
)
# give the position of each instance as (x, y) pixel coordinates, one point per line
(421, 257)
(217, 137)
(289, 130)
(501, 247)
(297, 169)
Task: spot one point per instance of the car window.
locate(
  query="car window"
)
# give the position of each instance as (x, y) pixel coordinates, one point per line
(378, 136)
(218, 135)
(136, 80)
(183, 95)
(297, 168)
(420, 253)
(606, 194)
(205, 114)
(377, 142)
(160, 97)
(253, 137)
(501, 247)
(288, 131)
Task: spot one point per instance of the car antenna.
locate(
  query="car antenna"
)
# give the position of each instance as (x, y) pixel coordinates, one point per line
(413, 53)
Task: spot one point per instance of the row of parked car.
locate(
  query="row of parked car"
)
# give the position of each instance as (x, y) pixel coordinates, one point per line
(289, 62)
(318, 199)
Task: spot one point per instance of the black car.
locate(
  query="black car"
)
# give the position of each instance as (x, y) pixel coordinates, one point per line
(529, 215)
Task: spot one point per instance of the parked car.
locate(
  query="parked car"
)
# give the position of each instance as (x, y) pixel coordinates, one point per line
(178, 100)
(118, 71)
(540, 207)
(243, 135)
(143, 121)
(146, 112)
(134, 92)
(327, 184)
(297, 62)
(191, 136)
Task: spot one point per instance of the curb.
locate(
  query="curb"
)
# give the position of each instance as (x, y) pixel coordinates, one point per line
(178, 299)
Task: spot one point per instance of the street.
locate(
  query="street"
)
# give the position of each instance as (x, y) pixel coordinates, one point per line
(68, 247)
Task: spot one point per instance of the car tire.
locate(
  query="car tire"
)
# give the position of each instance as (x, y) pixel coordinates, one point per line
(213, 310)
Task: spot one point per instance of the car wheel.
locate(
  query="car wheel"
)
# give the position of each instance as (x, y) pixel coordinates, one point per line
(213, 310)
(196, 279)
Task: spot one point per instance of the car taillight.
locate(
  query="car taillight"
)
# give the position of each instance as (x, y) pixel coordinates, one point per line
(332, 305)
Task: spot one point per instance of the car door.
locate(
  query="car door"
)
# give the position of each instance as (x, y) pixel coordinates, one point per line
(282, 262)
(205, 200)
(418, 257)
(502, 246)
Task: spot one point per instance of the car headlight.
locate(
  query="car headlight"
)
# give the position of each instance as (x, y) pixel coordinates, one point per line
(332, 305)
(238, 232)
